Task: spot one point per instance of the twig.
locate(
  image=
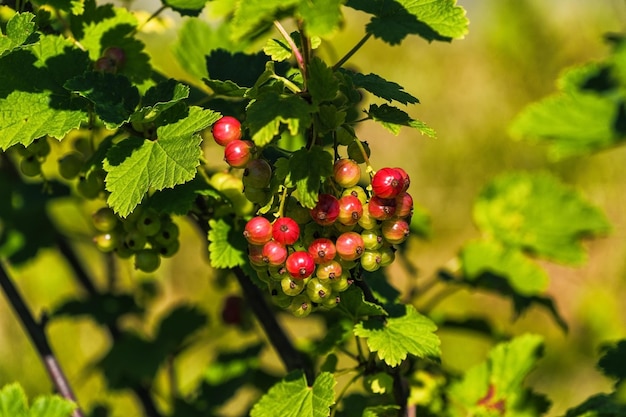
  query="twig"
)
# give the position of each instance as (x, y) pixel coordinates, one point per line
(38, 336)
(352, 52)
(294, 48)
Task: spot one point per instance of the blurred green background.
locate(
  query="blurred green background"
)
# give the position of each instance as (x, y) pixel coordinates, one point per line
(469, 91)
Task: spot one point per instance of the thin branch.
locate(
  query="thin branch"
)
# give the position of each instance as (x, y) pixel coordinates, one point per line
(294, 48)
(38, 337)
(352, 51)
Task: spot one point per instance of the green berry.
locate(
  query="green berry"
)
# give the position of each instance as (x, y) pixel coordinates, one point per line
(30, 166)
(147, 260)
(70, 165)
(104, 219)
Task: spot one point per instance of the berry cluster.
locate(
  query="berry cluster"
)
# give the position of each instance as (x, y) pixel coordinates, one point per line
(33, 156)
(144, 234)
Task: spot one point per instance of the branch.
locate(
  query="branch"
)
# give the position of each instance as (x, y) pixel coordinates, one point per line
(38, 337)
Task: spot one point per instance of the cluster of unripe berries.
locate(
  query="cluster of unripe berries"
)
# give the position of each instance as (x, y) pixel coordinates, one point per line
(144, 235)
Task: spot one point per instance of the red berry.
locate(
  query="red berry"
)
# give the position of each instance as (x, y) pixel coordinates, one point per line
(238, 153)
(115, 54)
(258, 231)
(350, 246)
(104, 64)
(285, 230)
(274, 253)
(226, 130)
(232, 310)
(395, 231)
(387, 183)
(255, 255)
(381, 208)
(257, 174)
(300, 264)
(326, 210)
(404, 205)
(406, 181)
(350, 210)
(322, 250)
(347, 172)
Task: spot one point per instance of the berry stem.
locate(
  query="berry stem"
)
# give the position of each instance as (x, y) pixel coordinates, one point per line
(37, 335)
(352, 51)
(281, 207)
(152, 16)
(369, 169)
(294, 49)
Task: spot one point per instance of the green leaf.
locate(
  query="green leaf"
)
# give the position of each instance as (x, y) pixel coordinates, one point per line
(254, 16)
(113, 96)
(570, 123)
(498, 382)
(612, 362)
(103, 308)
(336, 334)
(538, 214)
(180, 199)
(323, 85)
(353, 304)
(271, 110)
(227, 247)
(13, 403)
(160, 98)
(307, 169)
(393, 20)
(392, 118)
(277, 49)
(382, 88)
(293, 398)
(404, 332)
(179, 324)
(321, 17)
(599, 405)
(20, 29)
(239, 68)
(136, 165)
(33, 102)
(186, 7)
(107, 26)
(525, 277)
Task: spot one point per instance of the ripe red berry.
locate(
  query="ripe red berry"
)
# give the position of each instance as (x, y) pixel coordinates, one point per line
(350, 246)
(347, 172)
(387, 183)
(300, 264)
(238, 153)
(274, 253)
(285, 230)
(404, 205)
(395, 231)
(255, 255)
(226, 130)
(350, 210)
(406, 181)
(258, 231)
(326, 210)
(257, 174)
(381, 208)
(322, 250)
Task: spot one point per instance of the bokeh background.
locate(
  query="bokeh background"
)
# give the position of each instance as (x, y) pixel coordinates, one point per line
(469, 90)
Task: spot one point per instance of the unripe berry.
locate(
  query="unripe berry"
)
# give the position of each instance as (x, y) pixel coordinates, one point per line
(370, 261)
(347, 172)
(30, 166)
(318, 290)
(70, 165)
(147, 260)
(292, 286)
(329, 270)
(226, 130)
(350, 210)
(301, 306)
(257, 174)
(104, 219)
(355, 153)
(356, 191)
(106, 242)
(395, 231)
(350, 246)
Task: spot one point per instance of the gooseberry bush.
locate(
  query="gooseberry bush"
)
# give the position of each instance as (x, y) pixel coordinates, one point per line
(260, 151)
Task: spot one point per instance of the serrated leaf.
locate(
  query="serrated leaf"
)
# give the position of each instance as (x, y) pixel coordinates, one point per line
(307, 169)
(538, 214)
(392, 118)
(525, 276)
(180, 323)
(498, 382)
(353, 304)
(599, 405)
(393, 20)
(239, 68)
(277, 49)
(33, 102)
(292, 397)
(612, 361)
(159, 98)
(20, 29)
(404, 332)
(382, 88)
(113, 96)
(336, 334)
(322, 83)
(270, 111)
(180, 199)
(13, 403)
(227, 247)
